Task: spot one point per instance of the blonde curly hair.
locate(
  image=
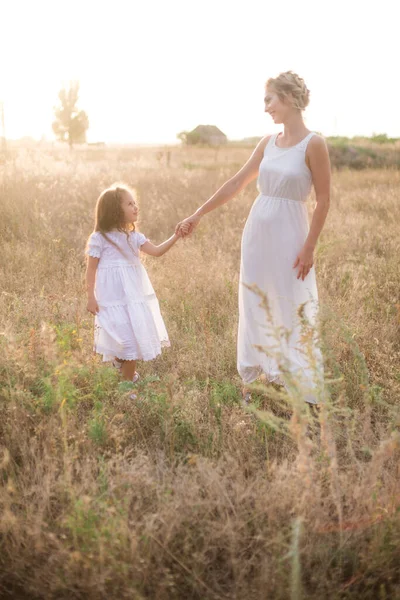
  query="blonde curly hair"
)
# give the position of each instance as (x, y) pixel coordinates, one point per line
(290, 85)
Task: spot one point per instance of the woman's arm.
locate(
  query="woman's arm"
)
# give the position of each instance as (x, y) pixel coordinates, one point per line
(319, 165)
(149, 248)
(91, 269)
(317, 159)
(230, 188)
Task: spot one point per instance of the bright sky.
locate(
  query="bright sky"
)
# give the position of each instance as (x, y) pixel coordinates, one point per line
(152, 68)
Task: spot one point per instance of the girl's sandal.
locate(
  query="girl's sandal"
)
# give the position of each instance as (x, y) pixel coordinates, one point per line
(135, 379)
(246, 398)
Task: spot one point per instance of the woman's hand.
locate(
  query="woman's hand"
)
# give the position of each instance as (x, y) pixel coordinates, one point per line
(304, 262)
(92, 306)
(187, 226)
(182, 229)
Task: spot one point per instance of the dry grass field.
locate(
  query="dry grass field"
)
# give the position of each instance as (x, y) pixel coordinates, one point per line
(185, 494)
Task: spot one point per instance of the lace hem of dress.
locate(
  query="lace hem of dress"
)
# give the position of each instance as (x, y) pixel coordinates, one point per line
(258, 372)
(109, 355)
(310, 397)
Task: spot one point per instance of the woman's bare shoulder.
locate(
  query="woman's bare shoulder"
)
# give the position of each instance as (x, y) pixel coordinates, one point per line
(317, 141)
(264, 141)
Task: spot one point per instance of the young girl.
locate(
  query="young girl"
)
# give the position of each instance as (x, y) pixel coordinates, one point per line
(128, 322)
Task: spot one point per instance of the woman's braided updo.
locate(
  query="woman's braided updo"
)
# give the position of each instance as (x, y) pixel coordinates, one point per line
(290, 85)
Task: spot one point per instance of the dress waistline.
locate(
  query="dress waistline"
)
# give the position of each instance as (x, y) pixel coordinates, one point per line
(286, 199)
(119, 264)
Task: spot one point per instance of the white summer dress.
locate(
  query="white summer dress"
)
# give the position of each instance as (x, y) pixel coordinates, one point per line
(270, 342)
(129, 324)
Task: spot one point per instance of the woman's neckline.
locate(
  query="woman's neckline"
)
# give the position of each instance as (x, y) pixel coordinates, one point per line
(288, 147)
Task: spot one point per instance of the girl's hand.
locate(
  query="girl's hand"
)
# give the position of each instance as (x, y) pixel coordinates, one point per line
(182, 229)
(304, 262)
(92, 306)
(187, 226)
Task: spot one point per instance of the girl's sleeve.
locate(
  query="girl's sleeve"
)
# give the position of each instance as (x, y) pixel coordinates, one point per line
(141, 239)
(95, 245)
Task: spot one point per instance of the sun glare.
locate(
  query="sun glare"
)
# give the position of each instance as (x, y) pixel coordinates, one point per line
(149, 71)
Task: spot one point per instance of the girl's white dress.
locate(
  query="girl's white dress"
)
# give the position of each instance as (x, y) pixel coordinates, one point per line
(274, 234)
(129, 324)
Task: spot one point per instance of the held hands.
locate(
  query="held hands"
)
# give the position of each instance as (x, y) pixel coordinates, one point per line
(187, 226)
(92, 306)
(304, 262)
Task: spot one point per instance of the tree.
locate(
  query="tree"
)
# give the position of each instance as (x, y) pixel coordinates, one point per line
(71, 123)
(190, 138)
(182, 136)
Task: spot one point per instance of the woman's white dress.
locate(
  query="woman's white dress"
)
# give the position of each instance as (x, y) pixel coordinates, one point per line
(272, 341)
(129, 324)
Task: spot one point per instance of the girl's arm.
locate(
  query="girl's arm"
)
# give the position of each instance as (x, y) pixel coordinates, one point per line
(91, 269)
(317, 159)
(149, 248)
(230, 188)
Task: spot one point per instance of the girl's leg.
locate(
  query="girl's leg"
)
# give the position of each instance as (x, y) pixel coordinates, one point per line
(128, 369)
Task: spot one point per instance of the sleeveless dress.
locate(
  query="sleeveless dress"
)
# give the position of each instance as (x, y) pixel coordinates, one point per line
(271, 340)
(129, 324)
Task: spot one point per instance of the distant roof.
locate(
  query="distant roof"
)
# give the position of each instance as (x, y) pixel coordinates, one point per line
(208, 130)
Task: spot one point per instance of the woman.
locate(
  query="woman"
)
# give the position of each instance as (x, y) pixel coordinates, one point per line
(277, 254)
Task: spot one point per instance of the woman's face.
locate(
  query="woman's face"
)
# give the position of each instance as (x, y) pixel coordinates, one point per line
(277, 108)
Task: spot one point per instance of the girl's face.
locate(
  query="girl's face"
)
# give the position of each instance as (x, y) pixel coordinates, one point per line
(274, 106)
(129, 207)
